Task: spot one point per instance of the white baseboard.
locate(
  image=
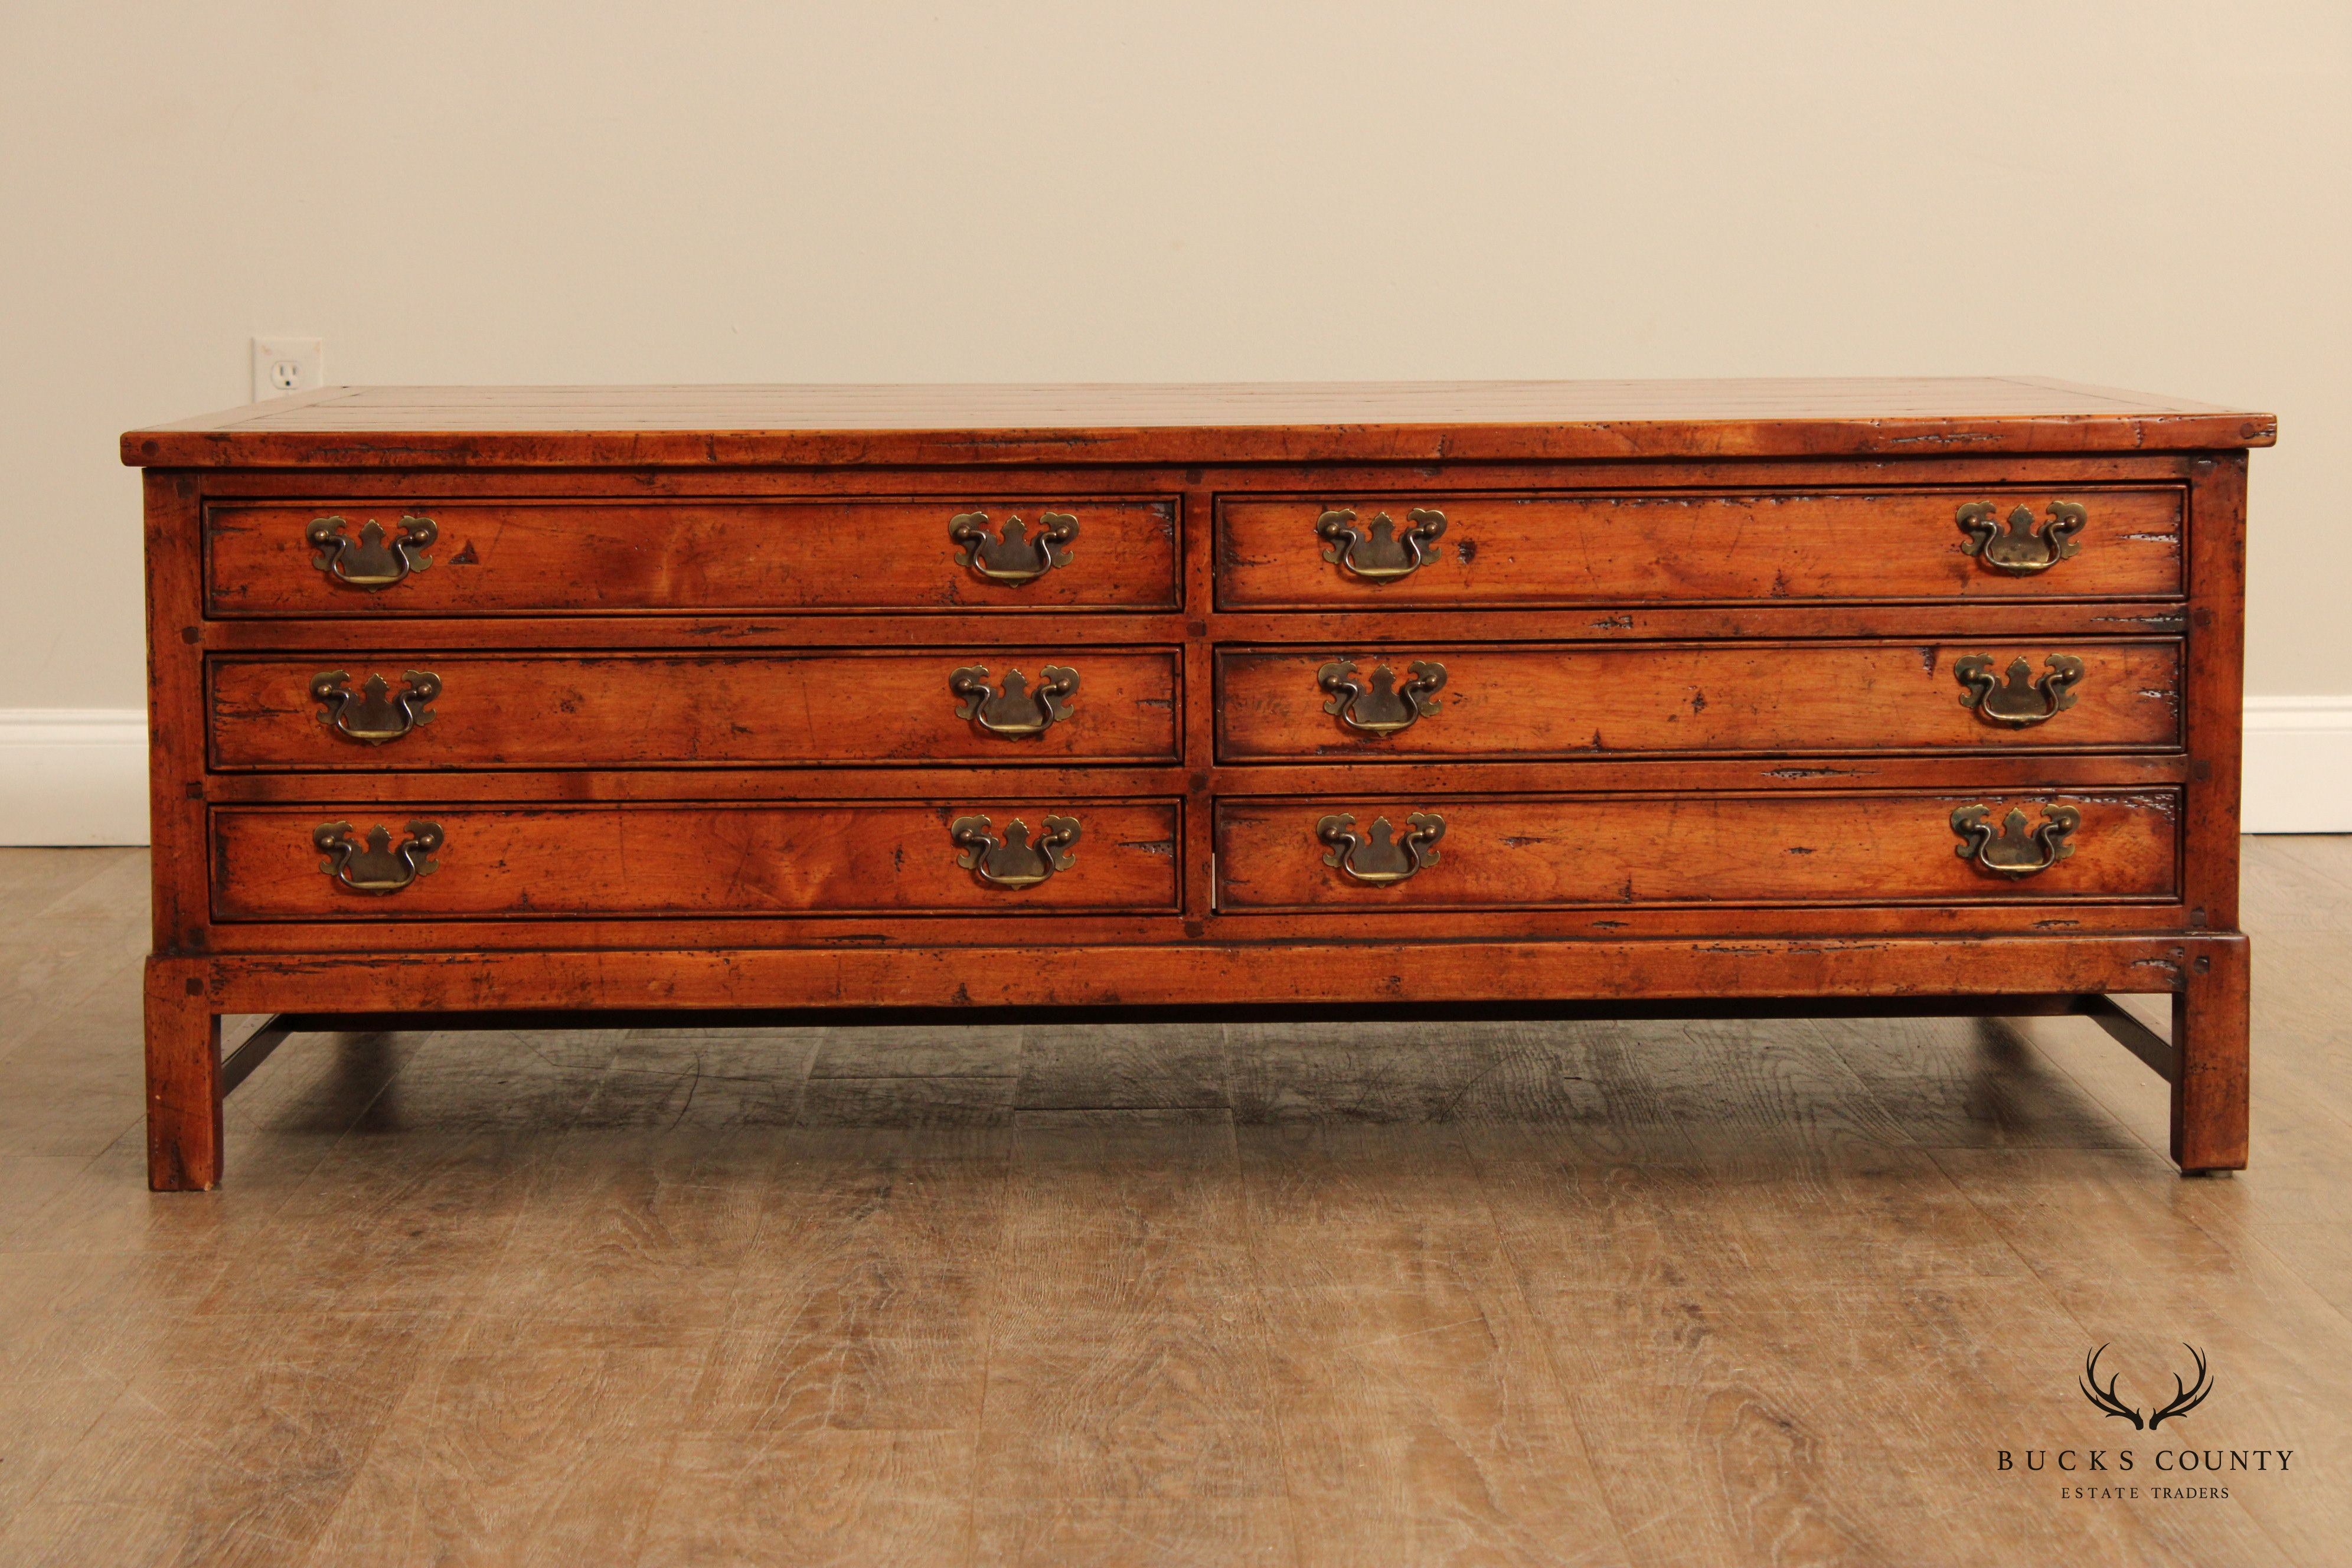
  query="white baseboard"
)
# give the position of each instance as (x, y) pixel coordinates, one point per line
(79, 775)
(73, 775)
(2298, 765)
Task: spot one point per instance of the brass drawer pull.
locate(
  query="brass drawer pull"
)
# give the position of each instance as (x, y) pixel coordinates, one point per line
(1379, 554)
(1384, 707)
(368, 562)
(2022, 549)
(372, 715)
(1012, 862)
(1016, 711)
(379, 867)
(2019, 698)
(1015, 558)
(1375, 858)
(2015, 851)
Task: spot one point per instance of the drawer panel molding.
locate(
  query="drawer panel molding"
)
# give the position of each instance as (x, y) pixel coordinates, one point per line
(1508, 702)
(817, 707)
(698, 556)
(852, 857)
(1480, 552)
(1565, 851)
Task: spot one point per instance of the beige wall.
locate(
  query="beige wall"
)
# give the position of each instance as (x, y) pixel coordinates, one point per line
(2143, 195)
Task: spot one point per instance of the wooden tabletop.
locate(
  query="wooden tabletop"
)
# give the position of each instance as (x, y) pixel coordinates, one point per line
(468, 427)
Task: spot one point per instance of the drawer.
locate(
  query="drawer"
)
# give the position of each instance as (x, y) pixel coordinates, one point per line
(1407, 701)
(1548, 852)
(1442, 552)
(424, 710)
(704, 557)
(370, 861)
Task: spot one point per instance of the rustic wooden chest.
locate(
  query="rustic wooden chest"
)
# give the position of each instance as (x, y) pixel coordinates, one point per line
(1859, 694)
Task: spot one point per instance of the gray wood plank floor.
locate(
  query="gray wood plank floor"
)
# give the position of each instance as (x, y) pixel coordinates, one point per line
(1654, 1293)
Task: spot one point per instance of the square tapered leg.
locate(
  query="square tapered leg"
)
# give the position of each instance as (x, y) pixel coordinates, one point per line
(2211, 1022)
(183, 1081)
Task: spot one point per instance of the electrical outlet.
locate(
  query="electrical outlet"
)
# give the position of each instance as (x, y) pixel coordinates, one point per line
(282, 366)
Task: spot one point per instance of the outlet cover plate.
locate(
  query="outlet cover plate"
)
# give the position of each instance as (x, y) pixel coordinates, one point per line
(284, 367)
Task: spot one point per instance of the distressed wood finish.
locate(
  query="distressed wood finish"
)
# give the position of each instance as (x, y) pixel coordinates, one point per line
(809, 556)
(1696, 548)
(693, 745)
(1398, 422)
(1630, 850)
(1163, 974)
(797, 706)
(861, 858)
(1786, 699)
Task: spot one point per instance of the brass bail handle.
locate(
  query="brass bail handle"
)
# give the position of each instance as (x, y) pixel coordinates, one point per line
(367, 561)
(2018, 698)
(2016, 849)
(1381, 704)
(2024, 547)
(1380, 856)
(1010, 861)
(1012, 557)
(1014, 712)
(374, 715)
(1380, 552)
(376, 866)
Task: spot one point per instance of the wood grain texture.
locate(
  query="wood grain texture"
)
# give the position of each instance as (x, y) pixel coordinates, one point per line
(806, 555)
(504, 1450)
(1349, 774)
(1422, 1418)
(1685, 849)
(1128, 1229)
(1391, 421)
(2216, 663)
(684, 862)
(1692, 548)
(175, 771)
(804, 706)
(1357, 968)
(1786, 699)
(1083, 934)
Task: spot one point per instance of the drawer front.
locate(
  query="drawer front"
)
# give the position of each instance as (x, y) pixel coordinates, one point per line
(704, 557)
(1456, 551)
(405, 711)
(1467, 853)
(692, 860)
(1407, 701)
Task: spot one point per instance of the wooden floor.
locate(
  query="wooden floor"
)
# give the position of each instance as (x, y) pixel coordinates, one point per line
(1657, 1293)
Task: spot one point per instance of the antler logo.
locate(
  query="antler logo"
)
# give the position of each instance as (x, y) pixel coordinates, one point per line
(2184, 1399)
